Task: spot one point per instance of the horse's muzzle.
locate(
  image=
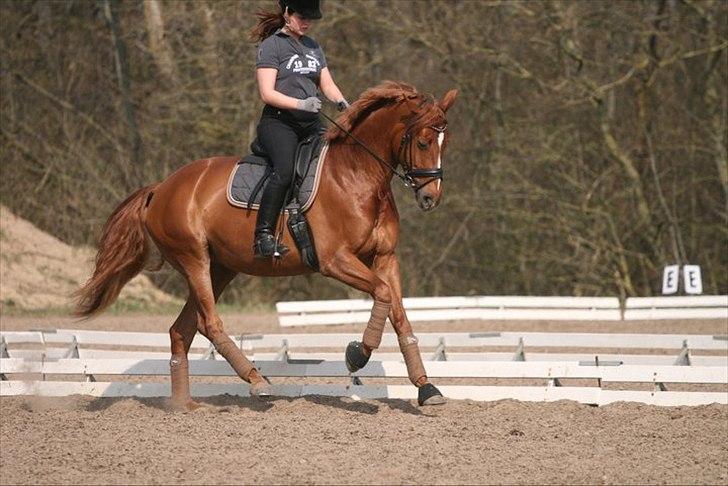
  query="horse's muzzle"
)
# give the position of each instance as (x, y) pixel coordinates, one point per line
(426, 201)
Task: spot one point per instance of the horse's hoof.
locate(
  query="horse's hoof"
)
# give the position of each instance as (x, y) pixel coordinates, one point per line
(261, 389)
(184, 405)
(355, 357)
(192, 405)
(428, 394)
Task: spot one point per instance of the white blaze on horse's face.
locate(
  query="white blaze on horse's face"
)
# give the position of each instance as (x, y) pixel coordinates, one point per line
(429, 192)
(429, 159)
(440, 139)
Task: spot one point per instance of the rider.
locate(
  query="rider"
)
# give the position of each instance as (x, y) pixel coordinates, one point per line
(291, 68)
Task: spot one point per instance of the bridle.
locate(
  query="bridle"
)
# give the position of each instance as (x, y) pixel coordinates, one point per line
(409, 174)
(405, 153)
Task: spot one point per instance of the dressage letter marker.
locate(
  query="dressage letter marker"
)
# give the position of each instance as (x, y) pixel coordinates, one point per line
(692, 279)
(670, 279)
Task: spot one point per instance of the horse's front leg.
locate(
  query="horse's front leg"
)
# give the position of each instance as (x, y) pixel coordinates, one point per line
(382, 283)
(347, 268)
(386, 267)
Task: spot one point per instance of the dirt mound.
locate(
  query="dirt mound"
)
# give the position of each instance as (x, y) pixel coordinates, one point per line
(39, 271)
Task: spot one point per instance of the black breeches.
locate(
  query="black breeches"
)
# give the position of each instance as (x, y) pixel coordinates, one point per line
(279, 136)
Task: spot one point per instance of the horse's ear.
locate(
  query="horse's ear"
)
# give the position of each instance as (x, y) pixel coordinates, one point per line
(448, 99)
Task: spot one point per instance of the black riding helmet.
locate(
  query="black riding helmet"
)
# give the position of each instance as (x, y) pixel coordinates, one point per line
(308, 9)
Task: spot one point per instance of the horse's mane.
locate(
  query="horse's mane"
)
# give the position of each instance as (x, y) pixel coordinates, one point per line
(425, 111)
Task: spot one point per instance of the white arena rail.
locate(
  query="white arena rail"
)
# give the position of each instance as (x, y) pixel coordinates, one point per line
(440, 354)
(382, 369)
(453, 308)
(328, 312)
(286, 363)
(679, 307)
(553, 372)
(80, 343)
(252, 342)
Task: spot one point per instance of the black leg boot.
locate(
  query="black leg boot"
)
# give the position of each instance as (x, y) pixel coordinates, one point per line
(265, 226)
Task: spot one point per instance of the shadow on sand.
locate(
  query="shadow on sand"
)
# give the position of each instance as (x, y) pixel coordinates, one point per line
(227, 403)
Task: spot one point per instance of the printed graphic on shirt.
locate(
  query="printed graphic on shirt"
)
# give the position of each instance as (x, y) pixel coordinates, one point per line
(303, 65)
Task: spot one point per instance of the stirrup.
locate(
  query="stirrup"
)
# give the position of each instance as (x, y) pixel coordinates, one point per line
(265, 246)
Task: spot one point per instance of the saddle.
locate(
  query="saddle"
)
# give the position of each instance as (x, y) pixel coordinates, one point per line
(252, 172)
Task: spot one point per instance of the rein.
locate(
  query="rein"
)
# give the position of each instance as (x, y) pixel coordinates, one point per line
(405, 147)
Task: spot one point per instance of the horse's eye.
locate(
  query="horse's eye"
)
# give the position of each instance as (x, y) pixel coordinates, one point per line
(422, 144)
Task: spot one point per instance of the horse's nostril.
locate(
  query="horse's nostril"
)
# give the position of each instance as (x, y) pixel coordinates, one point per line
(428, 201)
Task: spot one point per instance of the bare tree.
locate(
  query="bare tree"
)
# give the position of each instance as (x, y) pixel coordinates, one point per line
(122, 71)
(158, 45)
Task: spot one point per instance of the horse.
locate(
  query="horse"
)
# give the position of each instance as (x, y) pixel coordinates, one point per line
(187, 220)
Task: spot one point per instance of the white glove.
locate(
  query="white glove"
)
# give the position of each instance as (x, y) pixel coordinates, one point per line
(311, 104)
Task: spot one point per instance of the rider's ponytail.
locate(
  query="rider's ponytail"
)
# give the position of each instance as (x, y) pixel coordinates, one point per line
(268, 23)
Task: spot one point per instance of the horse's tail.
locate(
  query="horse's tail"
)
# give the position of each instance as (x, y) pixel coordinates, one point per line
(123, 251)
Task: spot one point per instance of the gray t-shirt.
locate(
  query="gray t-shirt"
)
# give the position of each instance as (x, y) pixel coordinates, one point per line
(299, 65)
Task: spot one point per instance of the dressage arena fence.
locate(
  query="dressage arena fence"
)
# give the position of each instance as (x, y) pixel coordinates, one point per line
(331, 312)
(42, 362)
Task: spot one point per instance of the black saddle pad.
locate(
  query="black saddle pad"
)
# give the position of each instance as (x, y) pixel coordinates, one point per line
(246, 184)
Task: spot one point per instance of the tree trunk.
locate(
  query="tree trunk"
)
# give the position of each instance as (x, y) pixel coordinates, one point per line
(158, 44)
(630, 170)
(122, 71)
(212, 61)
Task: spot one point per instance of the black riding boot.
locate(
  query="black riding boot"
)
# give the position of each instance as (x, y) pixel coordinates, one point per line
(265, 226)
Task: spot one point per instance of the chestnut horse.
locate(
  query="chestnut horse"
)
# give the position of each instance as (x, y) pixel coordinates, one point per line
(354, 222)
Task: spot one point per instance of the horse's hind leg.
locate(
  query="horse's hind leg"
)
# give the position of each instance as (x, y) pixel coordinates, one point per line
(210, 325)
(181, 335)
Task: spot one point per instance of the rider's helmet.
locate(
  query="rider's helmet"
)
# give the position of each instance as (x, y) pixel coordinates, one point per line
(309, 9)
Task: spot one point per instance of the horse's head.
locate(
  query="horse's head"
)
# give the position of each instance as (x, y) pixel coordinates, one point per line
(423, 139)
(416, 128)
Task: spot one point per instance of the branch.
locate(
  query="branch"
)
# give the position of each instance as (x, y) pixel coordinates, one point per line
(68, 106)
(695, 53)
